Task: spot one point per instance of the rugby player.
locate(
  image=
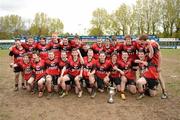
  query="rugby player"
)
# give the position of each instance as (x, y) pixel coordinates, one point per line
(52, 71)
(16, 53)
(38, 66)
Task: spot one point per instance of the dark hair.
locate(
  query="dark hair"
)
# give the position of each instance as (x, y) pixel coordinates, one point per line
(90, 49)
(26, 54)
(42, 37)
(113, 38)
(74, 49)
(127, 36)
(123, 51)
(114, 53)
(35, 52)
(17, 39)
(102, 52)
(143, 37)
(141, 50)
(65, 36)
(76, 37)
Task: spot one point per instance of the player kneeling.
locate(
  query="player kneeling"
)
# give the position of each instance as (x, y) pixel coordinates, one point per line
(74, 72)
(39, 68)
(129, 77)
(102, 71)
(52, 71)
(88, 72)
(63, 64)
(28, 75)
(148, 81)
(116, 72)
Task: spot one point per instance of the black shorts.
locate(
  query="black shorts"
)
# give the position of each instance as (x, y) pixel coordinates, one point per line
(134, 65)
(71, 81)
(116, 80)
(100, 82)
(55, 79)
(87, 82)
(152, 83)
(17, 69)
(130, 82)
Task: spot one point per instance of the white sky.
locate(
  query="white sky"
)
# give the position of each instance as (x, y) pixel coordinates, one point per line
(75, 14)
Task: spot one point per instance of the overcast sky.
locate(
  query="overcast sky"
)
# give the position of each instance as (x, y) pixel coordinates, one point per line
(75, 14)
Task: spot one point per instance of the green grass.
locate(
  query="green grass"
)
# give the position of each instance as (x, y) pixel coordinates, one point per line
(170, 52)
(165, 52)
(4, 53)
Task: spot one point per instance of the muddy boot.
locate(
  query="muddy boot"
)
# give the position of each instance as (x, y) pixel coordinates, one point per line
(16, 87)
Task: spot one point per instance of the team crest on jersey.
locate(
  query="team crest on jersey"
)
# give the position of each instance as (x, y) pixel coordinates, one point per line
(129, 50)
(101, 68)
(38, 67)
(53, 64)
(43, 49)
(31, 49)
(27, 70)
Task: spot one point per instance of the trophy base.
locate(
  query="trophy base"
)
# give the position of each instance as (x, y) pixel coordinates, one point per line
(110, 102)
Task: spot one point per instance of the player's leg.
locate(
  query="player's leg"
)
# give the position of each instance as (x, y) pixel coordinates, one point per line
(16, 81)
(123, 85)
(55, 84)
(78, 85)
(132, 87)
(17, 71)
(49, 85)
(63, 80)
(41, 86)
(117, 82)
(30, 84)
(140, 83)
(106, 81)
(23, 81)
(92, 83)
(100, 84)
(152, 85)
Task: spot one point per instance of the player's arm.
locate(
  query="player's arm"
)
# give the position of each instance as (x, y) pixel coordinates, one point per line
(119, 70)
(63, 70)
(151, 51)
(11, 47)
(141, 62)
(81, 58)
(11, 57)
(81, 71)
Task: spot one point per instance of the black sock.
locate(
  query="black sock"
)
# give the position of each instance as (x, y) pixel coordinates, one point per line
(16, 85)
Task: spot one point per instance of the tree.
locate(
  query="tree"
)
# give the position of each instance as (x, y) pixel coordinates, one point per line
(100, 20)
(122, 18)
(55, 25)
(39, 25)
(44, 25)
(11, 25)
(95, 32)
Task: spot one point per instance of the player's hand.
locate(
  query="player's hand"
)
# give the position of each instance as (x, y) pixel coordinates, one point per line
(122, 73)
(11, 65)
(80, 76)
(159, 69)
(78, 51)
(137, 61)
(92, 73)
(164, 95)
(115, 68)
(15, 65)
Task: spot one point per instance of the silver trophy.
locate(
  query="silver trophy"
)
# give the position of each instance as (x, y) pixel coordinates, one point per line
(112, 91)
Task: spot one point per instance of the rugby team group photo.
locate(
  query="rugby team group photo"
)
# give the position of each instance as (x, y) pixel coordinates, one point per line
(61, 65)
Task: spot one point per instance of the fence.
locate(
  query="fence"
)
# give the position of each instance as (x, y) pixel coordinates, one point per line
(170, 43)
